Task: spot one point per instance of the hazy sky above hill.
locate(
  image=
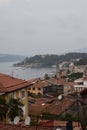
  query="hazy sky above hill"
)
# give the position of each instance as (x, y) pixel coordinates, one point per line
(30, 27)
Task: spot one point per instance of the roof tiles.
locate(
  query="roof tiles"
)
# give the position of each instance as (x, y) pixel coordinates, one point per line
(54, 108)
(8, 83)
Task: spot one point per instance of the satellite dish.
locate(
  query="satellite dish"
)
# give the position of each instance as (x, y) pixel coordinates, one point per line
(60, 97)
(27, 120)
(43, 104)
(16, 120)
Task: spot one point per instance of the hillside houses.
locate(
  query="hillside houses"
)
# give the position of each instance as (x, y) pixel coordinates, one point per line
(48, 90)
(65, 66)
(51, 86)
(17, 88)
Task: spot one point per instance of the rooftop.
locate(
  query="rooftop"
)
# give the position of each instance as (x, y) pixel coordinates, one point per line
(49, 82)
(54, 108)
(9, 83)
(47, 125)
(60, 81)
(40, 84)
(85, 78)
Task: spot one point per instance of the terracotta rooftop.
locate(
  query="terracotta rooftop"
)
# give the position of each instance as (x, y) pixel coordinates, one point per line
(40, 84)
(47, 125)
(39, 106)
(46, 83)
(56, 123)
(85, 78)
(4, 126)
(54, 108)
(8, 83)
(60, 81)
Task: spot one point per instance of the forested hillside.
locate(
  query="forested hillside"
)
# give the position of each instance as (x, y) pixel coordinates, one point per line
(50, 60)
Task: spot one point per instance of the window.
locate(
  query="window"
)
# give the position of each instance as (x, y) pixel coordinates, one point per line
(33, 88)
(23, 93)
(29, 88)
(39, 88)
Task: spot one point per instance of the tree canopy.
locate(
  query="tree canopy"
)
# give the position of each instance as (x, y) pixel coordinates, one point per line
(10, 109)
(50, 60)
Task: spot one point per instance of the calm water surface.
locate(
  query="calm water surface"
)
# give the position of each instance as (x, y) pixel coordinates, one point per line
(24, 73)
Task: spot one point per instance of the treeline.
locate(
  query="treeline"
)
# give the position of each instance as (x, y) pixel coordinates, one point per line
(50, 60)
(81, 62)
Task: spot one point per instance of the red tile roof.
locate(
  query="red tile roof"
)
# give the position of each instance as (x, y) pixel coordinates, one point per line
(40, 105)
(54, 108)
(60, 81)
(85, 78)
(4, 126)
(47, 125)
(56, 123)
(40, 84)
(46, 83)
(8, 83)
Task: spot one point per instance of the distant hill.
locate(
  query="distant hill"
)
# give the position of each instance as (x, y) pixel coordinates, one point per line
(51, 60)
(10, 58)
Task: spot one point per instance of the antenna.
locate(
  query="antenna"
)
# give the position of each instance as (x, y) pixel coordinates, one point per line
(60, 97)
(16, 120)
(27, 120)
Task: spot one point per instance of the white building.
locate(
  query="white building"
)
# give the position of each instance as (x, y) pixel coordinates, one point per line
(80, 84)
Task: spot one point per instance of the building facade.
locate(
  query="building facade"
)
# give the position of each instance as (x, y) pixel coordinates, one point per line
(11, 87)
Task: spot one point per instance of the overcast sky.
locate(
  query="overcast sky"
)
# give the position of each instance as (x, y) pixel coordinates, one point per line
(30, 27)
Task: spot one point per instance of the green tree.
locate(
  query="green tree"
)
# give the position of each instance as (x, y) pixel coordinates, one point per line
(69, 116)
(15, 108)
(46, 76)
(74, 76)
(3, 108)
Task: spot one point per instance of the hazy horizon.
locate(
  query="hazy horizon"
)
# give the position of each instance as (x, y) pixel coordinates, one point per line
(30, 27)
(79, 50)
